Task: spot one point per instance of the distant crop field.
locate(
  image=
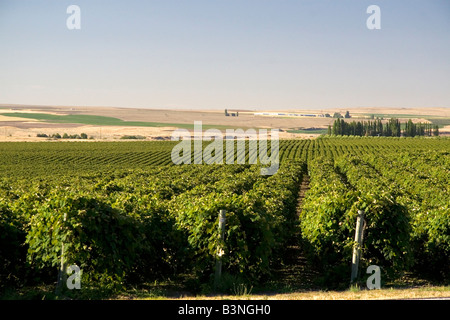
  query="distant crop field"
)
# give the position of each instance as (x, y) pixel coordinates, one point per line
(95, 120)
(309, 131)
(441, 122)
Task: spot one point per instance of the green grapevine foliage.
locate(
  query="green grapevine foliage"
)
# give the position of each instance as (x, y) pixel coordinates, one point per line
(125, 214)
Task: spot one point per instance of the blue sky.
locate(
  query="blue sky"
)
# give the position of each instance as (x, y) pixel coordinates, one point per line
(252, 54)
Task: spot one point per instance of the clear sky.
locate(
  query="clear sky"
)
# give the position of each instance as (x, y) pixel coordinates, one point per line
(253, 54)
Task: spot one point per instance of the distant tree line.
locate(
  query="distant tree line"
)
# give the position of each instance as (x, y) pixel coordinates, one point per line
(391, 128)
(64, 136)
(338, 115)
(135, 137)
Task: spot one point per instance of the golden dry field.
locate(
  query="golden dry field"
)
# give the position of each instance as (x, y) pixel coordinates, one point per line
(14, 128)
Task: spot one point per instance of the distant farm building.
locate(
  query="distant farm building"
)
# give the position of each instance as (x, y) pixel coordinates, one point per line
(232, 114)
(280, 114)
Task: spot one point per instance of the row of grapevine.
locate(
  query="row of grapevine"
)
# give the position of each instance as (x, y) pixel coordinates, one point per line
(387, 239)
(421, 184)
(326, 220)
(393, 236)
(50, 158)
(136, 225)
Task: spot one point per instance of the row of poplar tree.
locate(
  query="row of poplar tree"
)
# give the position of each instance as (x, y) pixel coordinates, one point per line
(392, 128)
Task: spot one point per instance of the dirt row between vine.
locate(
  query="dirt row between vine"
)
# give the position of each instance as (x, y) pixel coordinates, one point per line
(295, 272)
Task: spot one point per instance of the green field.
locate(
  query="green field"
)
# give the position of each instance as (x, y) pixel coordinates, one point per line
(128, 217)
(99, 120)
(311, 131)
(440, 121)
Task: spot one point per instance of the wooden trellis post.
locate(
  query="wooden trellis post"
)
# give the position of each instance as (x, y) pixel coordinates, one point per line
(62, 274)
(358, 245)
(218, 273)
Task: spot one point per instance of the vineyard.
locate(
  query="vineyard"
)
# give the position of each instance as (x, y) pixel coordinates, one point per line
(126, 215)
